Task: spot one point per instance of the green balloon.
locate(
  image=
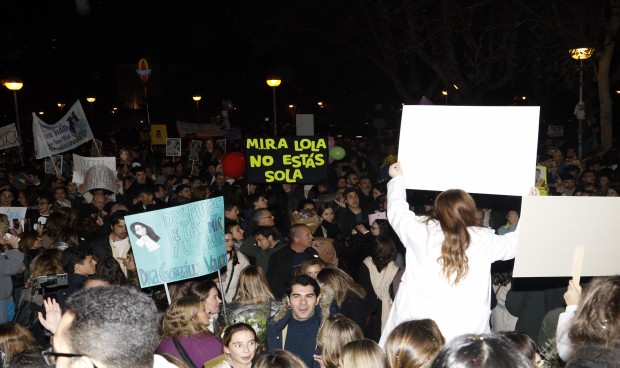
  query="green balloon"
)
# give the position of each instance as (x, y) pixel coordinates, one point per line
(337, 152)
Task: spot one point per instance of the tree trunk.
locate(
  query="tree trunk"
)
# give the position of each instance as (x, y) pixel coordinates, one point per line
(604, 64)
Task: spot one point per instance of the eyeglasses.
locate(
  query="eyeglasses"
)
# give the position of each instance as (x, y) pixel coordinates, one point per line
(7, 196)
(265, 217)
(50, 356)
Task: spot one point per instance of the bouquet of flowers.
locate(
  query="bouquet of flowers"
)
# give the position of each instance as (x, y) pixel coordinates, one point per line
(255, 315)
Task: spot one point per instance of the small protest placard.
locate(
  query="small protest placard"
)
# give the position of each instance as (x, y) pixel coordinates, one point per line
(173, 147)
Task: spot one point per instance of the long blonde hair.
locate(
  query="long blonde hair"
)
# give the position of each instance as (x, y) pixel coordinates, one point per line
(362, 353)
(46, 263)
(335, 332)
(181, 318)
(341, 283)
(253, 286)
(455, 210)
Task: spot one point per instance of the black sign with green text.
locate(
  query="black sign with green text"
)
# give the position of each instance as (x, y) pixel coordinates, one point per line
(286, 159)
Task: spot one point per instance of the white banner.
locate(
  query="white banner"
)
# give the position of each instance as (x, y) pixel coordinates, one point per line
(8, 137)
(69, 132)
(201, 130)
(82, 164)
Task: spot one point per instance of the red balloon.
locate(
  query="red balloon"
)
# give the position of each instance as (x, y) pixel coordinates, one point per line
(233, 164)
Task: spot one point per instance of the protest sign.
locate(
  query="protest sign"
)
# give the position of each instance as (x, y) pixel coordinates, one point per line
(99, 177)
(173, 147)
(8, 137)
(178, 243)
(159, 134)
(201, 130)
(551, 228)
(286, 160)
(480, 149)
(69, 132)
(82, 164)
(194, 151)
(14, 213)
(53, 165)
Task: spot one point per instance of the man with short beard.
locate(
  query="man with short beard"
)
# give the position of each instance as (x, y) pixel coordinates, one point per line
(115, 243)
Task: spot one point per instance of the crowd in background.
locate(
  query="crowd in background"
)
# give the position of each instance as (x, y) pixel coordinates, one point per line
(322, 257)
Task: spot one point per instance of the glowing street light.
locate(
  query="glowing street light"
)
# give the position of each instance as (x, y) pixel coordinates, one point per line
(274, 82)
(197, 98)
(445, 94)
(92, 100)
(580, 54)
(61, 106)
(15, 84)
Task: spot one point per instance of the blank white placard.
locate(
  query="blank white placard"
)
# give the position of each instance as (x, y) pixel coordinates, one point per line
(552, 227)
(480, 149)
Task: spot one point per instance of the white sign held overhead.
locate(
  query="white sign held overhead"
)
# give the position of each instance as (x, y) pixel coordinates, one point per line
(553, 229)
(480, 149)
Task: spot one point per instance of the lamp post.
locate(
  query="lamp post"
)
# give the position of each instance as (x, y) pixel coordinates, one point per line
(274, 82)
(445, 94)
(580, 54)
(92, 100)
(61, 106)
(15, 84)
(197, 98)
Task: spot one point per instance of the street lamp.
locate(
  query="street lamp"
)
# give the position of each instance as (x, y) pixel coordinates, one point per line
(445, 94)
(580, 54)
(15, 84)
(274, 82)
(61, 106)
(92, 100)
(197, 99)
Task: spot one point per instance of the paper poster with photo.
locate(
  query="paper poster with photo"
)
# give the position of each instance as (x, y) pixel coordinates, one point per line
(159, 134)
(221, 144)
(68, 133)
(81, 164)
(14, 213)
(194, 151)
(178, 243)
(50, 162)
(540, 180)
(480, 149)
(173, 147)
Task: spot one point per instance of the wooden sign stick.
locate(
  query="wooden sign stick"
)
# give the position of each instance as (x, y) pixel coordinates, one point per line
(577, 264)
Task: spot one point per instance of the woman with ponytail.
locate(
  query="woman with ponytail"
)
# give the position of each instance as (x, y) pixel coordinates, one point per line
(448, 258)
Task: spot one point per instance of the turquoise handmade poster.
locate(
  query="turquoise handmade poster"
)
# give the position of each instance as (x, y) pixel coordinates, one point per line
(178, 243)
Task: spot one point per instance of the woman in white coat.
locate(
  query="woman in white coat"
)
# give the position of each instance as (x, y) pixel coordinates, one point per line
(448, 276)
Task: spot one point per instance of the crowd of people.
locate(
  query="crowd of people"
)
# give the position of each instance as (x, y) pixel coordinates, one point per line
(352, 271)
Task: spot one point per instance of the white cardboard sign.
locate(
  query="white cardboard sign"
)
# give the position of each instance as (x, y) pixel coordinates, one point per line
(480, 149)
(552, 227)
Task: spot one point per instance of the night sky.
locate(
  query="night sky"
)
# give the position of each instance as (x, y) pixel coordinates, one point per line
(65, 50)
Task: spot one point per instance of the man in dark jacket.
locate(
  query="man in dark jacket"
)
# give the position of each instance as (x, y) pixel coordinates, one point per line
(296, 326)
(79, 264)
(285, 262)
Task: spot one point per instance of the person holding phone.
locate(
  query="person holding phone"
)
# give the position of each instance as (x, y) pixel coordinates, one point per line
(11, 260)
